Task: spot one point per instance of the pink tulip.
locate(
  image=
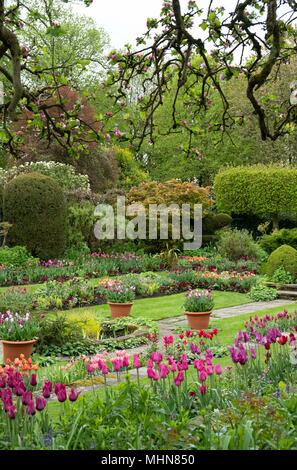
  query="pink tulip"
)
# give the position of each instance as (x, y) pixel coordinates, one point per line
(164, 371)
(136, 361)
(203, 375)
(173, 367)
(152, 374)
(179, 378)
(157, 357)
(209, 370)
(218, 369)
(125, 361)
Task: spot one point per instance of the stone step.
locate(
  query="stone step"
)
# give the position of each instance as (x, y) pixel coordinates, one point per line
(286, 287)
(287, 294)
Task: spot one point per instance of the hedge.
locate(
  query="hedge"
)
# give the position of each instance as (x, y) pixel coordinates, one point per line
(257, 190)
(35, 205)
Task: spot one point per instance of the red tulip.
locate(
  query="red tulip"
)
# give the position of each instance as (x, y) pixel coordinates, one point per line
(203, 389)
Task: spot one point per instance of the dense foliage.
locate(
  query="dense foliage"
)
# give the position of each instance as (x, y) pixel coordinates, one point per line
(34, 204)
(257, 190)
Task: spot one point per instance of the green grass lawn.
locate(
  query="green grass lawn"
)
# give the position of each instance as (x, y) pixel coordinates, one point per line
(158, 308)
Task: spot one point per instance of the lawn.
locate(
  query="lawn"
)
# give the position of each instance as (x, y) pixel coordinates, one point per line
(158, 308)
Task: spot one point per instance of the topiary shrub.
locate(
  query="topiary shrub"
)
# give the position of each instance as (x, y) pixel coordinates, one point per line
(257, 190)
(286, 257)
(35, 205)
(278, 238)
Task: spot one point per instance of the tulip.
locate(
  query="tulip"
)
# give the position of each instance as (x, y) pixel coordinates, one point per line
(203, 389)
(117, 364)
(164, 371)
(209, 370)
(173, 367)
(40, 403)
(27, 397)
(125, 361)
(11, 411)
(62, 395)
(31, 410)
(73, 395)
(152, 374)
(203, 375)
(104, 370)
(157, 357)
(218, 369)
(179, 378)
(33, 381)
(282, 340)
(167, 340)
(136, 361)
(47, 389)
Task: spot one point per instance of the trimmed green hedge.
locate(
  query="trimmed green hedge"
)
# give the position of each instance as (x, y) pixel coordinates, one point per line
(35, 205)
(257, 190)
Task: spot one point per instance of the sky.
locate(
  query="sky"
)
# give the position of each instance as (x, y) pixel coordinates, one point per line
(123, 20)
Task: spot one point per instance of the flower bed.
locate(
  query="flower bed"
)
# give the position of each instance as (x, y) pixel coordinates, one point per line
(191, 401)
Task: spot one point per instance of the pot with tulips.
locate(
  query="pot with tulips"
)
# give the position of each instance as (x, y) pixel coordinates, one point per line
(18, 334)
(120, 299)
(198, 307)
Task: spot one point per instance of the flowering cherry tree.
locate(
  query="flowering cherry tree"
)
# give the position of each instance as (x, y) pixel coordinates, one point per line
(189, 55)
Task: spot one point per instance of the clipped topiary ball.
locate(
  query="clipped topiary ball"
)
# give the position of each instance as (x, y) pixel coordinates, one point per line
(286, 257)
(35, 205)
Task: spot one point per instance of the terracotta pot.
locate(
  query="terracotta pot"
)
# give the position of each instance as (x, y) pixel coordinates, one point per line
(120, 310)
(198, 320)
(13, 349)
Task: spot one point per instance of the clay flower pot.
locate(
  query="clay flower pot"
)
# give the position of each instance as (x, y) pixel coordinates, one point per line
(13, 349)
(120, 309)
(198, 320)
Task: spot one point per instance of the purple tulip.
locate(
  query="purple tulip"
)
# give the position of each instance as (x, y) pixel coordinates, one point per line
(73, 395)
(31, 410)
(33, 381)
(40, 403)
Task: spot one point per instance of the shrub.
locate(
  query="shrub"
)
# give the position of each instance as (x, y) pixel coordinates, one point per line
(236, 244)
(278, 238)
(282, 276)
(129, 171)
(211, 224)
(80, 224)
(262, 293)
(63, 174)
(35, 205)
(257, 190)
(15, 256)
(286, 257)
